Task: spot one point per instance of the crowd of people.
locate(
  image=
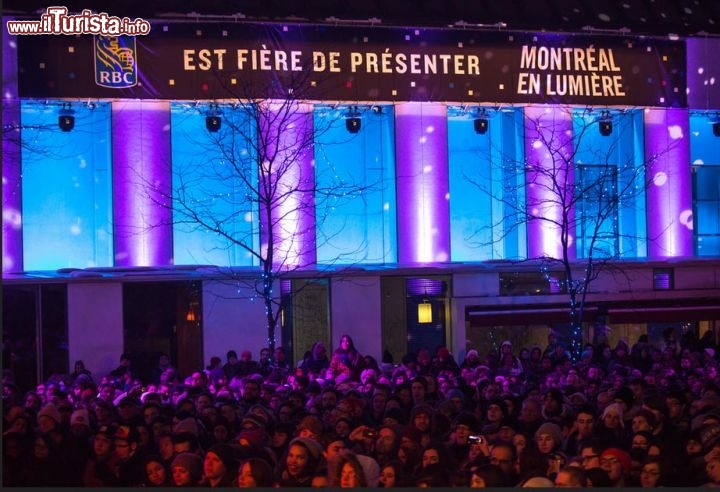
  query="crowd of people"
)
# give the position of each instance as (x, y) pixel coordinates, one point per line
(621, 416)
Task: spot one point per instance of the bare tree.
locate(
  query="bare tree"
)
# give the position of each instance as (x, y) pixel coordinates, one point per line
(260, 163)
(578, 193)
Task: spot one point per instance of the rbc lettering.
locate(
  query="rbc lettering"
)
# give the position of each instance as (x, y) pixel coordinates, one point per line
(126, 78)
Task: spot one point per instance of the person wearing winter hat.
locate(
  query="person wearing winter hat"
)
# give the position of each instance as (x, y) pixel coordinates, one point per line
(420, 419)
(616, 462)
(310, 426)
(187, 469)
(612, 425)
(219, 466)
(548, 438)
(625, 397)
(394, 416)
(80, 416)
(188, 424)
(347, 472)
(48, 419)
(301, 462)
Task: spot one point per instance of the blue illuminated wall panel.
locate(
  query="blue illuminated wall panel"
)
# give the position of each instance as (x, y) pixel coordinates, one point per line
(355, 227)
(623, 149)
(208, 172)
(486, 185)
(705, 159)
(66, 187)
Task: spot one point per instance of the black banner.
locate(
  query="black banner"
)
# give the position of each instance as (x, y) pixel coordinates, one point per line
(182, 61)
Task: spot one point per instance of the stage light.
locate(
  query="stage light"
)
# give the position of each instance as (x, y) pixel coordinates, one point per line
(353, 123)
(481, 125)
(213, 123)
(606, 128)
(66, 119)
(605, 124)
(716, 129)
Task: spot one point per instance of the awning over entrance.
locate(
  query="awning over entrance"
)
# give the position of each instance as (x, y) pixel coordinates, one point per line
(650, 311)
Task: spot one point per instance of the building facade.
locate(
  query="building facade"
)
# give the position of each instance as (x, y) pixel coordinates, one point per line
(147, 178)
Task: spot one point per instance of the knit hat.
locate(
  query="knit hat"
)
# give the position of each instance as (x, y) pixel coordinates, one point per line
(709, 436)
(254, 421)
(80, 417)
(396, 414)
(621, 455)
(456, 393)
(505, 342)
(226, 453)
(311, 423)
(371, 469)
(537, 482)
(626, 395)
(188, 424)
(51, 411)
(231, 353)
(468, 419)
(255, 437)
(551, 429)
(472, 353)
(614, 408)
(421, 408)
(192, 463)
(313, 447)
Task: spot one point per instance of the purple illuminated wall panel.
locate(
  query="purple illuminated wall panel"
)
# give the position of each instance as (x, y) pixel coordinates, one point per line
(12, 244)
(421, 148)
(288, 133)
(142, 183)
(669, 194)
(548, 145)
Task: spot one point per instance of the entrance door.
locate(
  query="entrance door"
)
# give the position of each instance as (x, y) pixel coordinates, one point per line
(163, 318)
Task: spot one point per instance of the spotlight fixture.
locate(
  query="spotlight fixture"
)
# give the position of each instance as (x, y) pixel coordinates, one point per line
(605, 124)
(66, 118)
(480, 123)
(353, 121)
(213, 120)
(716, 128)
(213, 123)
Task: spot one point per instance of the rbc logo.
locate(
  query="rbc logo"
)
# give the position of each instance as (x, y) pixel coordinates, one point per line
(115, 61)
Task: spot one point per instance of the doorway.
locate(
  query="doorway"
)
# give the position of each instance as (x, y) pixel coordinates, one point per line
(163, 318)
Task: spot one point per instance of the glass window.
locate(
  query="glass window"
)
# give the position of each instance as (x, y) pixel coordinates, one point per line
(706, 209)
(596, 214)
(486, 184)
(706, 184)
(355, 178)
(66, 187)
(610, 188)
(213, 176)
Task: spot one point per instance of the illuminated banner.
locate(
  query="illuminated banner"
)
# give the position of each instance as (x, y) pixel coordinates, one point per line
(319, 62)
